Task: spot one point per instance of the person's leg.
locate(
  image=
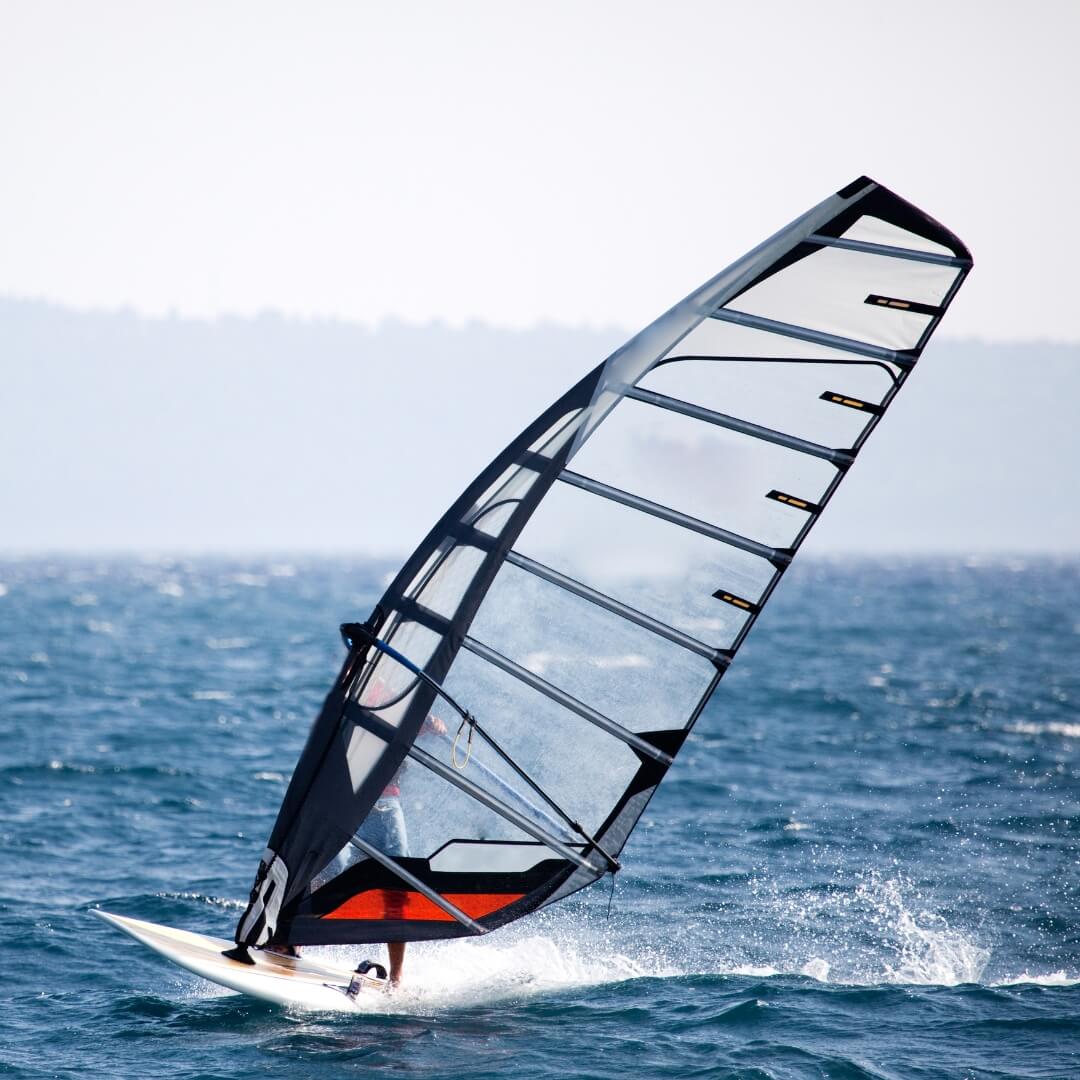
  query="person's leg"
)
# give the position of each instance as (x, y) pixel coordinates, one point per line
(384, 828)
(396, 949)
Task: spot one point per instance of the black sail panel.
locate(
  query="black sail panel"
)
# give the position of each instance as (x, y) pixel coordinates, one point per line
(506, 713)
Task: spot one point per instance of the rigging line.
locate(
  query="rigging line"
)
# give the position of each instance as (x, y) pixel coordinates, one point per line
(398, 870)
(464, 763)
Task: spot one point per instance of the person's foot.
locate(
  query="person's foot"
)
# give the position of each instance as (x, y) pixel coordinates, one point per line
(292, 951)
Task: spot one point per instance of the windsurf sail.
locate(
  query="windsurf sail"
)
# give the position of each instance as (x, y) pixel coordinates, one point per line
(506, 713)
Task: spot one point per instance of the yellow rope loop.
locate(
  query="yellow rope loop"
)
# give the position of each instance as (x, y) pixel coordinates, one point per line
(460, 765)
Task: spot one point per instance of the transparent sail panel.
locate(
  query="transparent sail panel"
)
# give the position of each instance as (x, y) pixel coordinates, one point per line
(489, 856)
(495, 507)
(719, 476)
(428, 814)
(448, 582)
(582, 768)
(657, 568)
(828, 290)
(628, 674)
(507, 491)
(783, 396)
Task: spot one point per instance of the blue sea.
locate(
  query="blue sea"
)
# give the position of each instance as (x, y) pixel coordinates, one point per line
(863, 864)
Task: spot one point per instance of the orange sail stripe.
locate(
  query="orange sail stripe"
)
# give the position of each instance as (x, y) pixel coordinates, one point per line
(403, 904)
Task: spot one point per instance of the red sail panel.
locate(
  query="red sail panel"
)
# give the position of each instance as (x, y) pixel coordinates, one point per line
(404, 904)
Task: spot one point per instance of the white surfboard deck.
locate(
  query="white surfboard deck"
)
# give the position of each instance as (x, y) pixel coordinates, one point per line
(298, 981)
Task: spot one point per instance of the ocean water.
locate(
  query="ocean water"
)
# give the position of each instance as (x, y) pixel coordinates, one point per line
(864, 863)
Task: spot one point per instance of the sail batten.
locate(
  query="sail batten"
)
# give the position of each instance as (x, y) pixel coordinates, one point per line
(890, 251)
(580, 619)
(414, 882)
(842, 458)
(538, 832)
(613, 605)
(817, 337)
(666, 513)
(533, 680)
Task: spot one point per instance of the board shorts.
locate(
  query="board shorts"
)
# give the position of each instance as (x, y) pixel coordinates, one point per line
(384, 828)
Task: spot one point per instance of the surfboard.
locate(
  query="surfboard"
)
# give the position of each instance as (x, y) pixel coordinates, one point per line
(302, 982)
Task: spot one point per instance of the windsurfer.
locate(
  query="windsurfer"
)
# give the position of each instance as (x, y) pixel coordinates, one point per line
(384, 828)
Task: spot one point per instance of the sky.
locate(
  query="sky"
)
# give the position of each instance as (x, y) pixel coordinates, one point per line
(579, 163)
(188, 187)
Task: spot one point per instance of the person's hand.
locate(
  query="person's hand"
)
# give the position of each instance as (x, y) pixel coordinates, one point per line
(433, 723)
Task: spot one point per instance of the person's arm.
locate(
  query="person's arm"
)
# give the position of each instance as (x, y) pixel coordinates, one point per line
(433, 724)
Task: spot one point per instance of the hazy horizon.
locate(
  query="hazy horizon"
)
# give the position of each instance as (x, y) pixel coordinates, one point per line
(277, 436)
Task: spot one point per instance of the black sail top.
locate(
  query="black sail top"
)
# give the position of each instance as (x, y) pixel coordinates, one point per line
(574, 610)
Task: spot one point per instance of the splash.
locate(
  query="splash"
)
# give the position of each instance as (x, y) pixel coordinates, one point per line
(461, 974)
(875, 932)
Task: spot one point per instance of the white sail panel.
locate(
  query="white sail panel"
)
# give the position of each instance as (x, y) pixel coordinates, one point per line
(828, 291)
(873, 230)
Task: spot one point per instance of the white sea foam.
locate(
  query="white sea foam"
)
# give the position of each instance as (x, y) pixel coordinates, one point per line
(1053, 727)
(463, 973)
(1053, 978)
(879, 933)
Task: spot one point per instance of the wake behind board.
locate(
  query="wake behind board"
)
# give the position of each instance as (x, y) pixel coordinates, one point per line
(284, 980)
